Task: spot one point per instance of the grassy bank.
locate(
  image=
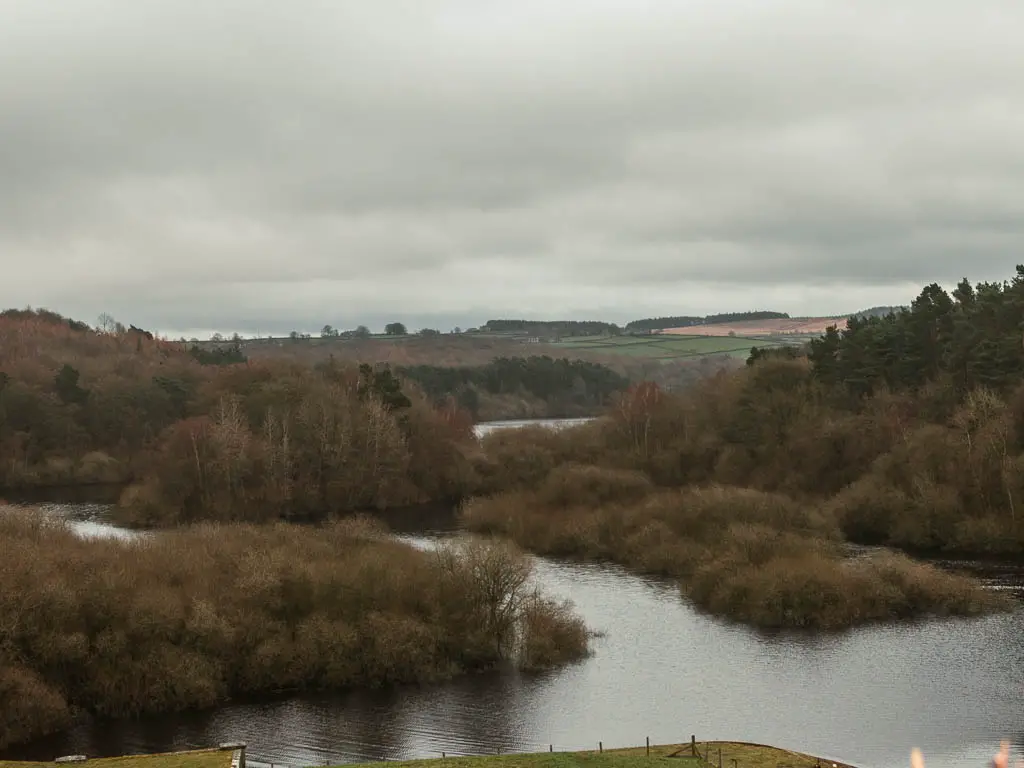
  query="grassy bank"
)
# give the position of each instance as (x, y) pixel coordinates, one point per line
(677, 755)
(200, 758)
(197, 615)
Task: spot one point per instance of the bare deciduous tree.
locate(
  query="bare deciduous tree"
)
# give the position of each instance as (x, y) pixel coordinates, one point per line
(494, 577)
(106, 323)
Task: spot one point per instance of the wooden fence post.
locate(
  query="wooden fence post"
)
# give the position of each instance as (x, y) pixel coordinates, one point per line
(648, 746)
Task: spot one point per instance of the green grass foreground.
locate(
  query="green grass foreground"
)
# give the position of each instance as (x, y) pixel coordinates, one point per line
(661, 756)
(205, 758)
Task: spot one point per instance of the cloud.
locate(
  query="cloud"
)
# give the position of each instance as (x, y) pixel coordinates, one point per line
(231, 164)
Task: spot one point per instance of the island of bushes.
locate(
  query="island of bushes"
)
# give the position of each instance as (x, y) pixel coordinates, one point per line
(191, 617)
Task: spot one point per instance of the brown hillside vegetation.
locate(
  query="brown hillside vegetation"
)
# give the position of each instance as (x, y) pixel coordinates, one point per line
(243, 441)
(783, 326)
(119, 392)
(744, 487)
(188, 618)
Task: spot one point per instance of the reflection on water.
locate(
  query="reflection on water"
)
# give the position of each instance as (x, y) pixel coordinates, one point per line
(953, 687)
(89, 519)
(486, 427)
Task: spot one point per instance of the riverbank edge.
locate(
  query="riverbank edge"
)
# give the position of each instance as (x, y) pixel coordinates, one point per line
(227, 756)
(65, 493)
(733, 754)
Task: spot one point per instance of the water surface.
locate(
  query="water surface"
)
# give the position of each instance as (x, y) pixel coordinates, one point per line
(486, 427)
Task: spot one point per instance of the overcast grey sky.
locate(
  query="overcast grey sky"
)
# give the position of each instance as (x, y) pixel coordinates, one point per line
(254, 165)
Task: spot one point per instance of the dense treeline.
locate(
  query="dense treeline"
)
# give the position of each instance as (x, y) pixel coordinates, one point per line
(879, 311)
(552, 327)
(657, 323)
(972, 338)
(563, 388)
(289, 442)
(685, 321)
(788, 352)
(188, 618)
(230, 442)
(218, 355)
(739, 317)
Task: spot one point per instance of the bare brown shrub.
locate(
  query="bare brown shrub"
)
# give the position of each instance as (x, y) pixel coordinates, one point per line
(867, 509)
(29, 708)
(812, 590)
(551, 634)
(583, 485)
(522, 458)
(490, 594)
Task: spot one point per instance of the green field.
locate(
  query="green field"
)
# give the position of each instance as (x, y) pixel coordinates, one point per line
(667, 347)
(467, 347)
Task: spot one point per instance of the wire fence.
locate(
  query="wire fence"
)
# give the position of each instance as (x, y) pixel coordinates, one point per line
(708, 753)
(700, 754)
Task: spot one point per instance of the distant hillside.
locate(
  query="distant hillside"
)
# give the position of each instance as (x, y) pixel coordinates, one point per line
(637, 362)
(775, 328)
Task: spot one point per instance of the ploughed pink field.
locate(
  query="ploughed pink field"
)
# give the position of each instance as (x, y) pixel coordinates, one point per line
(810, 325)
